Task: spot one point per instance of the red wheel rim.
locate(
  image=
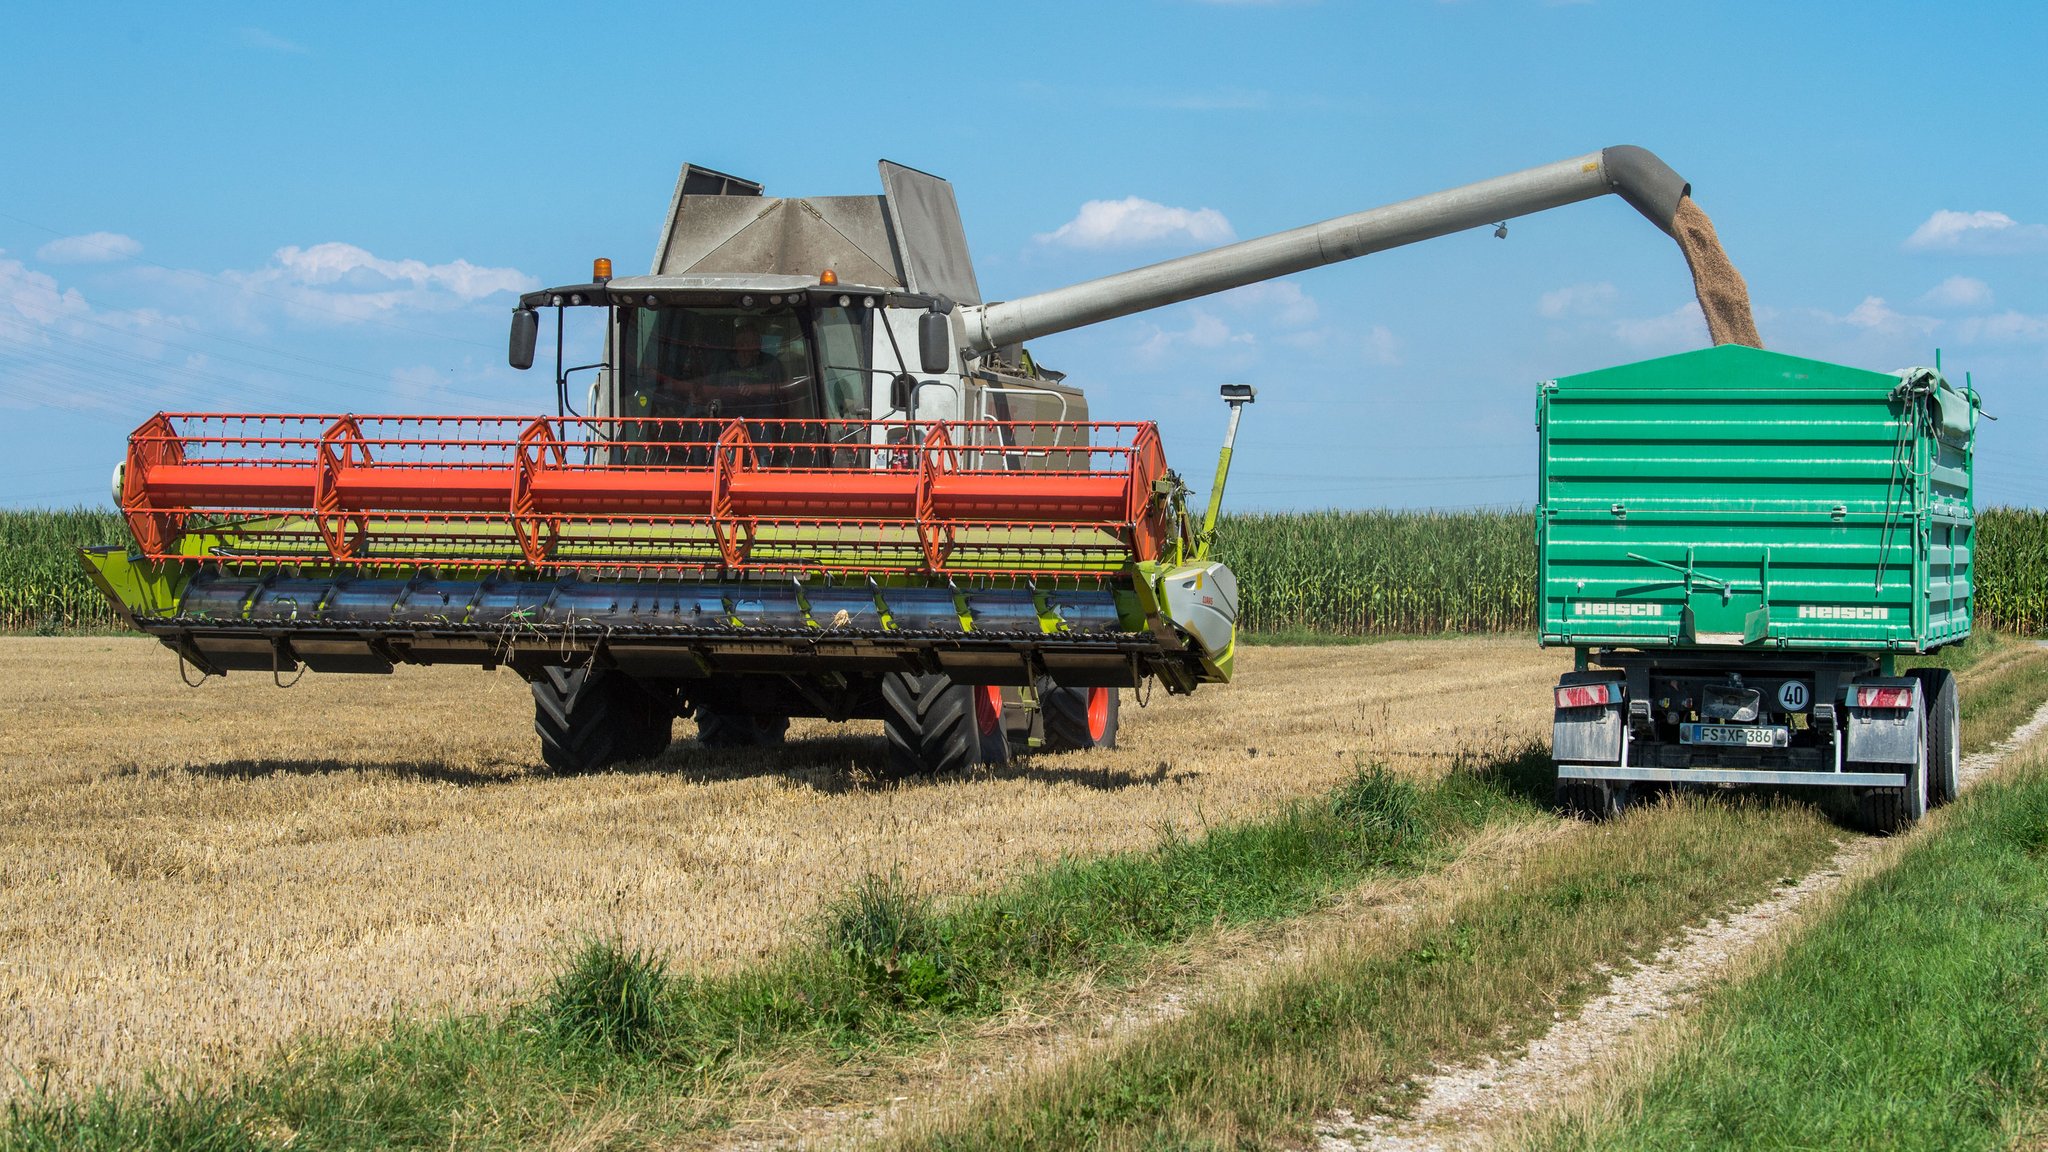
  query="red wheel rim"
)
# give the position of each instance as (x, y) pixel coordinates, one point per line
(1098, 713)
(988, 709)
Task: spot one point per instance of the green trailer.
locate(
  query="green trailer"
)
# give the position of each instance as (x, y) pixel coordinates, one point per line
(1738, 545)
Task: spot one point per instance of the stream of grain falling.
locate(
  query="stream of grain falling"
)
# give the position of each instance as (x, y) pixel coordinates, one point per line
(1724, 298)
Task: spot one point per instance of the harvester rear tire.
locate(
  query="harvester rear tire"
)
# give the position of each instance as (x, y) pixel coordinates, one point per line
(590, 719)
(1078, 719)
(739, 729)
(929, 722)
(1944, 734)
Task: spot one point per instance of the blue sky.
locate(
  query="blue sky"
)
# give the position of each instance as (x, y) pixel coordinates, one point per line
(330, 207)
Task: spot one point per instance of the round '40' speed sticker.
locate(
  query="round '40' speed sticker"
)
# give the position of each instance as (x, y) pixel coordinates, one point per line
(1794, 696)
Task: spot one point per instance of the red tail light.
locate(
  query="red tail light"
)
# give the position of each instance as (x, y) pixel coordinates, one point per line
(1586, 695)
(1870, 696)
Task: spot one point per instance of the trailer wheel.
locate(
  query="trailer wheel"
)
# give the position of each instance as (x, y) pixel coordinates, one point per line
(1888, 811)
(1944, 734)
(930, 725)
(739, 729)
(1077, 719)
(590, 719)
(1587, 800)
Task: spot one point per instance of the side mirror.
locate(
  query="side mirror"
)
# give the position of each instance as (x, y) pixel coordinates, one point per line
(934, 342)
(525, 330)
(902, 390)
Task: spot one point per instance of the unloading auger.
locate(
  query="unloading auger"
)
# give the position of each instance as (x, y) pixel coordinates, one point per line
(764, 510)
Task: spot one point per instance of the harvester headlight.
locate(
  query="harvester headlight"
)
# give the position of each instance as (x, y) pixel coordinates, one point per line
(575, 297)
(556, 299)
(845, 300)
(775, 299)
(867, 301)
(746, 301)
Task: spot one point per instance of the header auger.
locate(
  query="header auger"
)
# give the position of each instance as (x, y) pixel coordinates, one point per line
(766, 507)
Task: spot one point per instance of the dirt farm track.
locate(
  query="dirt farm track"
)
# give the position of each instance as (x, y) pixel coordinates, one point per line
(188, 876)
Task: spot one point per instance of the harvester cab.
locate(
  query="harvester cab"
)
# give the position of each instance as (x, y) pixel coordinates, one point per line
(814, 474)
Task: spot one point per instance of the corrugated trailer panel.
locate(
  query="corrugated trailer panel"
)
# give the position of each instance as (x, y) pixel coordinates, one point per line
(1733, 497)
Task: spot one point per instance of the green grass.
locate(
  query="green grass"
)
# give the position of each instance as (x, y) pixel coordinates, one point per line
(889, 969)
(1356, 1021)
(1914, 1016)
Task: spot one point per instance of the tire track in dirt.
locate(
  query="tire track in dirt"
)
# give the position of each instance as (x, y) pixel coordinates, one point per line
(1465, 1106)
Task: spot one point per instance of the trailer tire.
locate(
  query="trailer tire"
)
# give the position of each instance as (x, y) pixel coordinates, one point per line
(1889, 811)
(929, 723)
(1078, 719)
(1587, 800)
(1944, 734)
(740, 729)
(589, 719)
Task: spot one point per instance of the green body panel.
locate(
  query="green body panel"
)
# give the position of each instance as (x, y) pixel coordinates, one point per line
(1738, 498)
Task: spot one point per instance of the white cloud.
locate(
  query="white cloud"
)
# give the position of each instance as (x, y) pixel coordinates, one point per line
(30, 297)
(1381, 345)
(2004, 328)
(1958, 292)
(1205, 330)
(265, 41)
(355, 283)
(91, 248)
(1219, 100)
(1682, 327)
(1132, 221)
(1986, 233)
(1874, 315)
(1283, 301)
(1578, 300)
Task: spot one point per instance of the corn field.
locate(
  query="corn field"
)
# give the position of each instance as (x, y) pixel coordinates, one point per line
(2012, 570)
(43, 588)
(1379, 573)
(1370, 573)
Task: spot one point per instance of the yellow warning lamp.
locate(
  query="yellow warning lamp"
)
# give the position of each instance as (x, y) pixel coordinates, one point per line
(828, 276)
(600, 270)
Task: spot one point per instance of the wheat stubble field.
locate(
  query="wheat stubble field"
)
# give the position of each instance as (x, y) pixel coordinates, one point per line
(189, 876)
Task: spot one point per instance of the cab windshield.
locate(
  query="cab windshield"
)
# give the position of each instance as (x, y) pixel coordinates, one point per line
(780, 363)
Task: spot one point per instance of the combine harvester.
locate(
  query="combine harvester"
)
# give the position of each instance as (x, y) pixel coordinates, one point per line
(816, 475)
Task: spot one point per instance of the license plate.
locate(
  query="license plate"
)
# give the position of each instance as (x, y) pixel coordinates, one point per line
(1735, 735)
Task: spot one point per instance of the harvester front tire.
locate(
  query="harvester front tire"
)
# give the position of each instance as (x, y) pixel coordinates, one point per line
(590, 719)
(740, 729)
(1078, 719)
(1944, 734)
(929, 723)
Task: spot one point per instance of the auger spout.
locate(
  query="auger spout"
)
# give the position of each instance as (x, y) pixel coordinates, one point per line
(1634, 174)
